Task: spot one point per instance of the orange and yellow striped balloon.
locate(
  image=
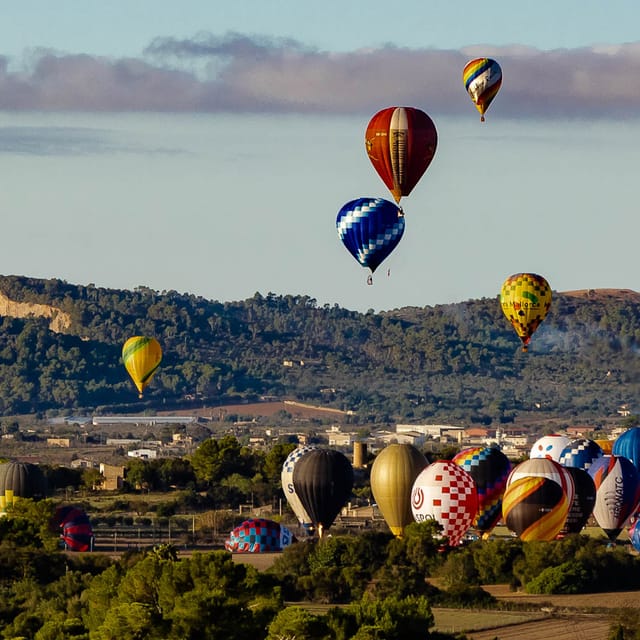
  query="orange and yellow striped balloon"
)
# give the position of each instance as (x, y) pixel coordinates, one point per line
(141, 356)
(535, 508)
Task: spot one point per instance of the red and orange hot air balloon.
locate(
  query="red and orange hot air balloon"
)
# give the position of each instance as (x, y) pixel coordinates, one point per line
(401, 143)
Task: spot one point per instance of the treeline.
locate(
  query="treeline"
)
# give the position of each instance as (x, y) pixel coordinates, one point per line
(383, 584)
(221, 474)
(458, 361)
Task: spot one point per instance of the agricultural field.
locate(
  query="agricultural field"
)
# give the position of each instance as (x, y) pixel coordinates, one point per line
(569, 627)
(561, 617)
(536, 624)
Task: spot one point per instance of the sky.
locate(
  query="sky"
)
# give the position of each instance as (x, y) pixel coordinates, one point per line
(207, 148)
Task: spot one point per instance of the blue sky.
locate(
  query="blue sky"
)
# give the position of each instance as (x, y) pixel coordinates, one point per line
(126, 28)
(180, 146)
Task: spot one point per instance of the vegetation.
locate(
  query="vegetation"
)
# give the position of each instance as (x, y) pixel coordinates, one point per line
(373, 585)
(457, 361)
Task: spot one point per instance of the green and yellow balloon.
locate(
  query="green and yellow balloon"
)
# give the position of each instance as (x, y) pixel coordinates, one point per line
(525, 299)
(141, 356)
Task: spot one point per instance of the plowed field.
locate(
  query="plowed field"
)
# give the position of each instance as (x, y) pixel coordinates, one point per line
(576, 627)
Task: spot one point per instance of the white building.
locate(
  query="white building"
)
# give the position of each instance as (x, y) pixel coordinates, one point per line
(432, 430)
(415, 438)
(337, 438)
(144, 454)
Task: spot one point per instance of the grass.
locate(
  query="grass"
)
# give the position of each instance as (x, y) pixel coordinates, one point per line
(453, 620)
(461, 620)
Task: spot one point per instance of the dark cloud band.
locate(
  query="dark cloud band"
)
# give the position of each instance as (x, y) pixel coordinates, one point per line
(253, 74)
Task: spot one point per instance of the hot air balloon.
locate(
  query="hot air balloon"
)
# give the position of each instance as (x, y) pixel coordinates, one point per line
(76, 530)
(392, 476)
(584, 500)
(446, 493)
(535, 508)
(544, 468)
(627, 444)
(482, 79)
(141, 356)
(489, 468)
(606, 446)
(323, 479)
(258, 535)
(525, 299)
(286, 479)
(550, 446)
(20, 480)
(370, 228)
(617, 493)
(401, 143)
(634, 534)
(580, 454)
(538, 511)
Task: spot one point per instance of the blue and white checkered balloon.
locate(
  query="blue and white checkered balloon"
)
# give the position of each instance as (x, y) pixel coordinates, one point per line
(370, 228)
(580, 454)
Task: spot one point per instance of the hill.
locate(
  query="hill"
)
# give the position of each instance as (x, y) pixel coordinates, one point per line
(60, 353)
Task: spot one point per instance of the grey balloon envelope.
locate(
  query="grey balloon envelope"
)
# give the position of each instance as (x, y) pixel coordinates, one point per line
(323, 479)
(584, 499)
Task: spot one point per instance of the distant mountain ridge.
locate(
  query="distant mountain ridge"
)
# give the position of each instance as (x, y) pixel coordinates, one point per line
(603, 294)
(60, 352)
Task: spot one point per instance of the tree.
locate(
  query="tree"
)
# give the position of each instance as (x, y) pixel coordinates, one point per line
(459, 571)
(92, 479)
(387, 619)
(128, 621)
(493, 559)
(28, 524)
(273, 461)
(569, 577)
(141, 474)
(295, 623)
(216, 459)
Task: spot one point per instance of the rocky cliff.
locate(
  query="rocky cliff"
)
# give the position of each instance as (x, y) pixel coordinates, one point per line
(59, 321)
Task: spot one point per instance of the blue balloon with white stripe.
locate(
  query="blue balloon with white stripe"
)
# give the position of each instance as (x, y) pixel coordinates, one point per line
(370, 228)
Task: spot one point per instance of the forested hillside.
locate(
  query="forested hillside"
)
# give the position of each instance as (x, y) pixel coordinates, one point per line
(454, 361)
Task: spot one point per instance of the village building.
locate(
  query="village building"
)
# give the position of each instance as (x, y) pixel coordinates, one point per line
(113, 477)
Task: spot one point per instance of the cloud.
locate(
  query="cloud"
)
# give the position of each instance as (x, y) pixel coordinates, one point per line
(253, 74)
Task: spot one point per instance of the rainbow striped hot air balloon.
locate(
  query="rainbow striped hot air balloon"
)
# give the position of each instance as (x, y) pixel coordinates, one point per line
(482, 78)
(141, 356)
(489, 468)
